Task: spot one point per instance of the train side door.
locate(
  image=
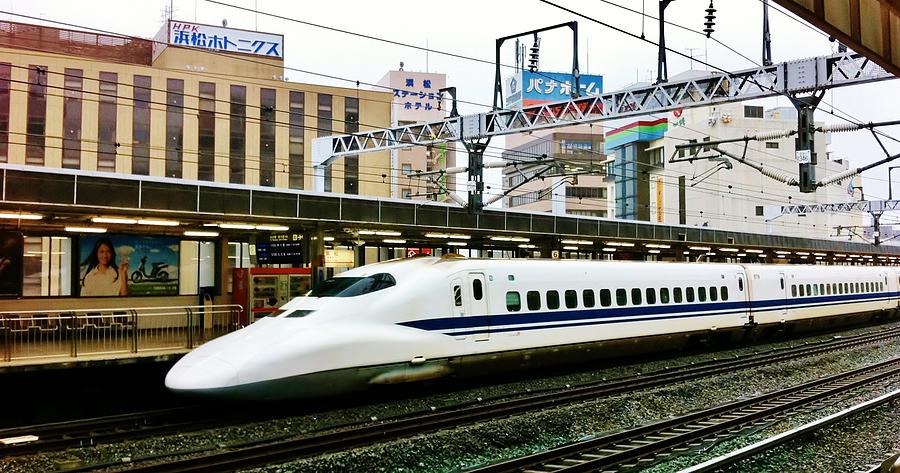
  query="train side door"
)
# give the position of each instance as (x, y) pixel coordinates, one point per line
(477, 302)
(459, 306)
(783, 285)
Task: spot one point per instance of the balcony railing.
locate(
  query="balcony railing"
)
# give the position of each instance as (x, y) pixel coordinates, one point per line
(66, 334)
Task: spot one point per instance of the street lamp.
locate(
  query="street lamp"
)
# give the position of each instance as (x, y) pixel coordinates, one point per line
(891, 183)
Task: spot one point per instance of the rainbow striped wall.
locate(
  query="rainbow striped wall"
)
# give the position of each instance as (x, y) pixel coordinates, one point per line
(641, 130)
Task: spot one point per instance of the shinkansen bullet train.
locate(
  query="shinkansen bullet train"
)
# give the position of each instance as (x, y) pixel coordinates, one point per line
(426, 318)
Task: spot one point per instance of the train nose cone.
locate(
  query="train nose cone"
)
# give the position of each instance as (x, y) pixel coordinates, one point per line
(207, 373)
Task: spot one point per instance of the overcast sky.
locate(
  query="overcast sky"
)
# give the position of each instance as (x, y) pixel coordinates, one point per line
(471, 27)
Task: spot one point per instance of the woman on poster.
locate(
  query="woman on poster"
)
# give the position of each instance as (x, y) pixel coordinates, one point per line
(102, 276)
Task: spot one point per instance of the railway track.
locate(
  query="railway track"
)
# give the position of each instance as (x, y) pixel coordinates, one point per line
(645, 445)
(243, 456)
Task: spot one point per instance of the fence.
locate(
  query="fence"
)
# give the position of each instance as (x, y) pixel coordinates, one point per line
(33, 335)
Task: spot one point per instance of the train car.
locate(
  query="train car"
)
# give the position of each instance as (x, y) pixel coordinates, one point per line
(424, 318)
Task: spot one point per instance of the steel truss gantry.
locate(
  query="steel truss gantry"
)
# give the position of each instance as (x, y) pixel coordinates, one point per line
(874, 207)
(787, 78)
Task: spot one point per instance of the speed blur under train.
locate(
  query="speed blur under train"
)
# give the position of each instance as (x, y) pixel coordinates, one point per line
(426, 318)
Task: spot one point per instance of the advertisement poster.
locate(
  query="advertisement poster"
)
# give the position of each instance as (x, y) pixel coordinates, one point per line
(128, 265)
(12, 247)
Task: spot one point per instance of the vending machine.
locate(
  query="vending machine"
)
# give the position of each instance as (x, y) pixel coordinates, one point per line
(270, 288)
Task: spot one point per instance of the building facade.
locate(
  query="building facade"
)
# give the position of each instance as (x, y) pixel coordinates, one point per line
(96, 102)
(716, 191)
(417, 97)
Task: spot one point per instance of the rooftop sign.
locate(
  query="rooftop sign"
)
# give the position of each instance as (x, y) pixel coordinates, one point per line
(217, 38)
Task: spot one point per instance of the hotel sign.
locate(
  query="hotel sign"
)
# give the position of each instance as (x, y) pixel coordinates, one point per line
(216, 38)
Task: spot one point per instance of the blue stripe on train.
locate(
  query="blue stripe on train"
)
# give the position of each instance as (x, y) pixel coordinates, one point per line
(510, 322)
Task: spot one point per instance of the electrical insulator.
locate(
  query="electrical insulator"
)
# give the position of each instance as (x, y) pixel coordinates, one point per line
(534, 55)
(710, 20)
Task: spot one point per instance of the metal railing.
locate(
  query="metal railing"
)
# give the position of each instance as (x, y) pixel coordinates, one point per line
(50, 334)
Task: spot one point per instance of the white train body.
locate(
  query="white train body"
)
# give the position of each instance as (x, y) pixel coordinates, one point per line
(424, 318)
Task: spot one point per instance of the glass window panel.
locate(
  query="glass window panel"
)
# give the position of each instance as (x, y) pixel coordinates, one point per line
(206, 132)
(534, 300)
(295, 144)
(267, 137)
(106, 122)
(552, 300)
(237, 135)
(36, 123)
(571, 299)
(513, 301)
(174, 127)
(636, 296)
(71, 152)
(140, 126)
(621, 297)
(587, 297)
(605, 298)
(5, 78)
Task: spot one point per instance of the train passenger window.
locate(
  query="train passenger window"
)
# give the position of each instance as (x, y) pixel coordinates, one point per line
(552, 299)
(605, 298)
(809, 289)
(815, 288)
(621, 297)
(782, 284)
(793, 290)
(858, 290)
(534, 300)
(713, 293)
(868, 287)
(689, 294)
(835, 288)
(802, 290)
(664, 295)
(741, 284)
(724, 293)
(846, 288)
(513, 301)
(821, 289)
(571, 299)
(701, 294)
(635, 296)
(828, 289)
(651, 295)
(457, 296)
(676, 295)
(587, 297)
(477, 289)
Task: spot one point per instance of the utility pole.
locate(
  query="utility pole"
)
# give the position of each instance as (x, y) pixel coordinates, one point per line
(805, 141)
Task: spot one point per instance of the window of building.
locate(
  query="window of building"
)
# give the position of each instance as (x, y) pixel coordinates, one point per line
(513, 301)
(140, 126)
(605, 298)
(36, 115)
(406, 194)
(571, 299)
(587, 298)
(760, 211)
(206, 132)
(107, 119)
(657, 157)
(753, 111)
(5, 77)
(351, 163)
(323, 125)
(238, 135)
(552, 300)
(534, 300)
(174, 127)
(636, 296)
(586, 192)
(406, 169)
(267, 137)
(295, 143)
(71, 152)
(771, 145)
(621, 297)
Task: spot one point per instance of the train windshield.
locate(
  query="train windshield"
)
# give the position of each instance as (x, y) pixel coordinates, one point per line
(349, 287)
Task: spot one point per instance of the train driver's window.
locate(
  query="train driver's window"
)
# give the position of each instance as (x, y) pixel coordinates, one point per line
(741, 284)
(676, 295)
(552, 300)
(664, 295)
(782, 284)
(701, 294)
(587, 297)
(534, 300)
(713, 293)
(793, 290)
(635, 296)
(724, 293)
(477, 290)
(513, 301)
(457, 296)
(605, 298)
(571, 299)
(689, 294)
(651, 295)
(621, 297)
